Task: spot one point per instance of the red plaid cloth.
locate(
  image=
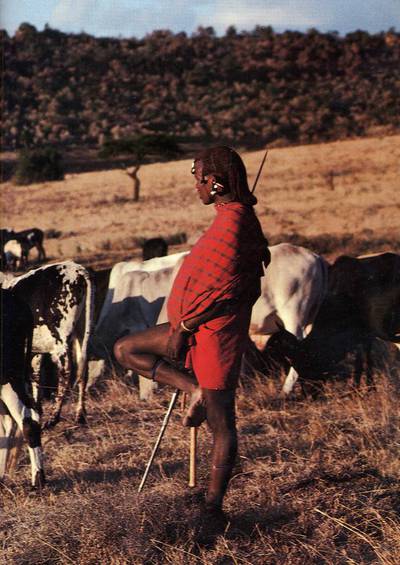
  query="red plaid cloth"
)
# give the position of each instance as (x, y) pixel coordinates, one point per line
(225, 263)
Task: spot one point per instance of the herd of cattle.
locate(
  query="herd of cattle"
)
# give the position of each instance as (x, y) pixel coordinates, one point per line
(320, 316)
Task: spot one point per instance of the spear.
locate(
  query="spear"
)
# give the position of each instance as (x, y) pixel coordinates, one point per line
(259, 171)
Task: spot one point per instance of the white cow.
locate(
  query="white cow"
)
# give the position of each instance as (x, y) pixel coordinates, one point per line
(292, 290)
(120, 269)
(150, 282)
(134, 299)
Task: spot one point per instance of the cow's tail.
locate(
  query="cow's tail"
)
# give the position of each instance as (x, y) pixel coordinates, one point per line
(89, 311)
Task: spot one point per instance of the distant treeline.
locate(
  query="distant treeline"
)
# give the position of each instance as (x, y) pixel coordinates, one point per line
(248, 88)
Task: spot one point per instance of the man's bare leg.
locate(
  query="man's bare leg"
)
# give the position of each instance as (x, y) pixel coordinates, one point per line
(220, 407)
(141, 351)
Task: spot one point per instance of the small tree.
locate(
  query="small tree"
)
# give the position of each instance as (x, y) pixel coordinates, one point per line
(139, 148)
(38, 165)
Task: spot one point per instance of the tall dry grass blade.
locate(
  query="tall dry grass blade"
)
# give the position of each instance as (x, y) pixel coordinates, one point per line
(175, 548)
(54, 548)
(358, 533)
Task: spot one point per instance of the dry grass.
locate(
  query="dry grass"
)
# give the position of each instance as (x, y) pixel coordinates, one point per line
(317, 482)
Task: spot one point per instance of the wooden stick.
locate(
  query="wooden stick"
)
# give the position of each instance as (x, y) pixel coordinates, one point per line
(193, 456)
(160, 436)
(183, 401)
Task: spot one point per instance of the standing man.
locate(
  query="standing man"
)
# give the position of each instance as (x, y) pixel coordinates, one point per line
(209, 310)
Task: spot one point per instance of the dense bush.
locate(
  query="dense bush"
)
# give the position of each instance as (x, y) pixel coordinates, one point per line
(38, 165)
(247, 88)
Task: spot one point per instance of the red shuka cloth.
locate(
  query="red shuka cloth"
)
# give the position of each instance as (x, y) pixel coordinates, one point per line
(225, 263)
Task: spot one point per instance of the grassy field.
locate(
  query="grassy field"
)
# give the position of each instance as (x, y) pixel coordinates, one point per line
(335, 197)
(317, 481)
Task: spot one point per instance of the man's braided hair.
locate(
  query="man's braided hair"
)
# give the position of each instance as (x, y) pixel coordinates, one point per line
(228, 167)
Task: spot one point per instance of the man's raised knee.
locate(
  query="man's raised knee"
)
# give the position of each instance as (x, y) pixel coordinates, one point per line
(119, 351)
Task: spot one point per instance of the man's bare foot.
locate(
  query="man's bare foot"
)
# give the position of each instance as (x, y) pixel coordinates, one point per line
(196, 412)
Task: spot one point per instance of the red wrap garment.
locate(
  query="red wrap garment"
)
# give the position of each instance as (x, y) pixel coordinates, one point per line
(225, 263)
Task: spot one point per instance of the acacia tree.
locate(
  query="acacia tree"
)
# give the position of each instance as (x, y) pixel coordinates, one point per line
(139, 149)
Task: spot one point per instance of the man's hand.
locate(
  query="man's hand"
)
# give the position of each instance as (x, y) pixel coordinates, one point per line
(177, 344)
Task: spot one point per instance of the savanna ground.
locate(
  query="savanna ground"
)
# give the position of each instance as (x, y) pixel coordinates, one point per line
(317, 481)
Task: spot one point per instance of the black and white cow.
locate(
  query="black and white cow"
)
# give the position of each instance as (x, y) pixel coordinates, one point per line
(15, 246)
(32, 238)
(58, 295)
(16, 401)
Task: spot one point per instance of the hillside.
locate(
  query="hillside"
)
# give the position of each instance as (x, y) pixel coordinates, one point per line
(332, 198)
(250, 88)
(317, 480)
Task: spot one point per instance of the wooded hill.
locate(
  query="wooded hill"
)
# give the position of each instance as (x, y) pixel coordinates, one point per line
(248, 88)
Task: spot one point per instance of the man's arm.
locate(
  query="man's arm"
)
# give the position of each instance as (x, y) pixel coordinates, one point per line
(178, 339)
(218, 309)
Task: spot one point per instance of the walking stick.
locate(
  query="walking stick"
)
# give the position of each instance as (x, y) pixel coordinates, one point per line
(192, 459)
(160, 436)
(192, 451)
(259, 172)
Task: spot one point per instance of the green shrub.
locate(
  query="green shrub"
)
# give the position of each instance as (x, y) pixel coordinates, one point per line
(38, 165)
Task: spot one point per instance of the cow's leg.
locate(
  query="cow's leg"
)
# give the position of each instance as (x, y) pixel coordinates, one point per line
(41, 252)
(292, 326)
(7, 432)
(23, 263)
(35, 378)
(27, 420)
(290, 381)
(63, 362)
(359, 366)
(81, 379)
(369, 366)
(146, 388)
